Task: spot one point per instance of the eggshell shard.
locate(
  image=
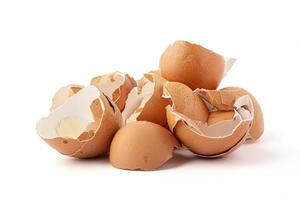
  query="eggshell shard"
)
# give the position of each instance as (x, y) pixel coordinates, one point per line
(185, 101)
(142, 145)
(221, 133)
(193, 65)
(224, 99)
(63, 94)
(145, 102)
(83, 126)
(116, 86)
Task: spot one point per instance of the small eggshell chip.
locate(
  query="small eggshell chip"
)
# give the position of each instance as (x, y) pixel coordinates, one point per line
(193, 65)
(83, 126)
(116, 86)
(224, 99)
(142, 145)
(145, 102)
(222, 131)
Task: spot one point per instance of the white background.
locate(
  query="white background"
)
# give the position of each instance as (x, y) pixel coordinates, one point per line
(47, 44)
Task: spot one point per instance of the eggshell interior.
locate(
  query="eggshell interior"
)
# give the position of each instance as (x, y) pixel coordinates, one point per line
(83, 126)
(116, 86)
(63, 94)
(77, 108)
(224, 99)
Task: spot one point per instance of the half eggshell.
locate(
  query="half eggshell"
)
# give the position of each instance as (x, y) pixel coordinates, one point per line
(145, 102)
(116, 86)
(83, 126)
(193, 65)
(142, 145)
(218, 134)
(224, 99)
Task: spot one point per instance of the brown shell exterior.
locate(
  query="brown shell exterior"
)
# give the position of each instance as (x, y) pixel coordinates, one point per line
(92, 144)
(194, 109)
(193, 65)
(142, 145)
(154, 110)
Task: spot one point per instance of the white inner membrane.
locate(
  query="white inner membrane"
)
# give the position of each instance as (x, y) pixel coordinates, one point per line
(228, 64)
(137, 100)
(70, 119)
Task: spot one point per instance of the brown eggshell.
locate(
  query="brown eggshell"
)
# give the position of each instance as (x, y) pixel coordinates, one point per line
(210, 147)
(257, 127)
(186, 101)
(225, 98)
(95, 141)
(149, 104)
(63, 94)
(142, 145)
(120, 94)
(221, 133)
(193, 65)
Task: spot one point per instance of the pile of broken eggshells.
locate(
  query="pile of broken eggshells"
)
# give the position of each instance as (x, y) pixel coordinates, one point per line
(140, 123)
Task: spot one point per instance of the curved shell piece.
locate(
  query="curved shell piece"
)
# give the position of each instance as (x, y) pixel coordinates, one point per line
(224, 99)
(142, 145)
(221, 133)
(145, 102)
(116, 86)
(83, 126)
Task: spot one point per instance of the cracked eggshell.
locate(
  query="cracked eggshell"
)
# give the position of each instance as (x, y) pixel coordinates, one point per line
(193, 65)
(63, 94)
(219, 134)
(83, 126)
(225, 98)
(142, 145)
(145, 102)
(116, 86)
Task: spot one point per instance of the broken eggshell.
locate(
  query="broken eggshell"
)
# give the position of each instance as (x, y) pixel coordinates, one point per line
(224, 99)
(209, 132)
(193, 65)
(142, 145)
(83, 126)
(145, 102)
(63, 94)
(116, 86)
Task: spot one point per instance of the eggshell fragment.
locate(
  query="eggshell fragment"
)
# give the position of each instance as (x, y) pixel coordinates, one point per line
(63, 94)
(116, 86)
(185, 101)
(225, 98)
(222, 131)
(83, 126)
(193, 65)
(145, 102)
(142, 145)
